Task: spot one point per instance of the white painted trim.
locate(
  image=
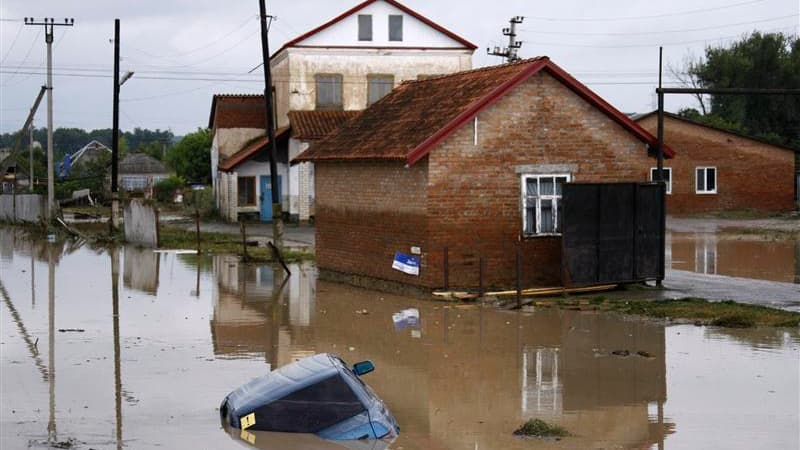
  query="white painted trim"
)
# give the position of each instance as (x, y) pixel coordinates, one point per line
(554, 197)
(705, 178)
(475, 132)
(666, 169)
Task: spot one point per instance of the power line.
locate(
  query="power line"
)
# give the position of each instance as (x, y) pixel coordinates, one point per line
(19, 31)
(203, 47)
(33, 43)
(617, 19)
(665, 44)
(630, 33)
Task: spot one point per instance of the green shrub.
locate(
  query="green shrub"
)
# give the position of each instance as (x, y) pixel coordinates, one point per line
(200, 199)
(165, 189)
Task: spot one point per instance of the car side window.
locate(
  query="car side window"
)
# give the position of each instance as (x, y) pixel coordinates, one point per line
(311, 409)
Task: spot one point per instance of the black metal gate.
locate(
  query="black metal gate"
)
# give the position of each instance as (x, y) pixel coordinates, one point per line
(612, 233)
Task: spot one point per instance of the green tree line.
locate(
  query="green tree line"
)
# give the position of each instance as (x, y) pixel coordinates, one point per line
(767, 61)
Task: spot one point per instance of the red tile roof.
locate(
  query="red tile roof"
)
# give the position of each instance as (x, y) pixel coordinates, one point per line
(360, 6)
(313, 125)
(406, 124)
(237, 111)
(249, 151)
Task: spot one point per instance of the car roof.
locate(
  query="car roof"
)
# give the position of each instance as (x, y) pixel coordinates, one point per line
(283, 381)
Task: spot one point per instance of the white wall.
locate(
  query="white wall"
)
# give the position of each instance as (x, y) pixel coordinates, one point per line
(355, 65)
(257, 169)
(415, 32)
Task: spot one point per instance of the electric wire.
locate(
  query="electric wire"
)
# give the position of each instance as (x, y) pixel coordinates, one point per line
(634, 33)
(655, 16)
(19, 31)
(28, 54)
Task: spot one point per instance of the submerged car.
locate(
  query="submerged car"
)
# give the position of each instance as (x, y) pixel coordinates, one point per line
(319, 394)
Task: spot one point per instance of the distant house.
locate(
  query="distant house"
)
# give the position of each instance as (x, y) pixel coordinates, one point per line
(88, 154)
(472, 162)
(139, 172)
(720, 170)
(345, 64)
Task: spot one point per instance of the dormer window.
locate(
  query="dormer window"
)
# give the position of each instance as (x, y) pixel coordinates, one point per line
(396, 28)
(364, 27)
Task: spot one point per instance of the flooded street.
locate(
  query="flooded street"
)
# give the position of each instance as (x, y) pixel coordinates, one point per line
(130, 348)
(764, 256)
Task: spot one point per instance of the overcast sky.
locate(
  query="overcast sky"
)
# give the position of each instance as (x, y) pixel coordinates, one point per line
(185, 51)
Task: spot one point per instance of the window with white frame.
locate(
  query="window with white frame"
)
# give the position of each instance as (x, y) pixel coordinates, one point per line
(706, 180)
(541, 203)
(667, 177)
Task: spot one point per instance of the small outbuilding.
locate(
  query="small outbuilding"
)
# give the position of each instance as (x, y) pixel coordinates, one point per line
(447, 171)
(721, 170)
(139, 172)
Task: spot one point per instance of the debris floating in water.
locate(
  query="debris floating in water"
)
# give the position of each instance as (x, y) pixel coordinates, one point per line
(71, 330)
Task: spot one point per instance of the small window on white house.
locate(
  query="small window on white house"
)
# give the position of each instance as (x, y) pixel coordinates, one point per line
(706, 180)
(395, 28)
(364, 27)
(246, 191)
(667, 177)
(541, 203)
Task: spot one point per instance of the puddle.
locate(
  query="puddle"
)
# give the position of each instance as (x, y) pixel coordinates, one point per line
(155, 360)
(770, 258)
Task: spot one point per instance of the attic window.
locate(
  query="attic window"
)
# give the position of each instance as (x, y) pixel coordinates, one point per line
(364, 27)
(395, 28)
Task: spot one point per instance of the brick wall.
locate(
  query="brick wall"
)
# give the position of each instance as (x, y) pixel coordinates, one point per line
(365, 212)
(475, 191)
(750, 174)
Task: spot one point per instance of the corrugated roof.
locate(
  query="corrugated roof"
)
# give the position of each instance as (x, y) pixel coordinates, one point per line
(141, 163)
(313, 125)
(407, 123)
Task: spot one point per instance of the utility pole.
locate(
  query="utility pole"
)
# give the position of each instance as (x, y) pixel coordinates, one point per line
(115, 135)
(49, 24)
(660, 174)
(510, 52)
(277, 213)
(30, 159)
(114, 224)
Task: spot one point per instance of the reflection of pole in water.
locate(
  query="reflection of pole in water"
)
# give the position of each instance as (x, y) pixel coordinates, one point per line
(33, 283)
(115, 315)
(279, 282)
(30, 343)
(51, 314)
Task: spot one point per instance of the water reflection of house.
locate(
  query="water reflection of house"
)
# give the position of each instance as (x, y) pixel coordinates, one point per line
(245, 296)
(476, 370)
(748, 256)
(140, 271)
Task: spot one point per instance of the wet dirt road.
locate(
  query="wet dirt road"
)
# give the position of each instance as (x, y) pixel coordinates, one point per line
(135, 349)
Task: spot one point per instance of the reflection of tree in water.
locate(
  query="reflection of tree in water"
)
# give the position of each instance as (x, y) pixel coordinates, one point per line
(759, 337)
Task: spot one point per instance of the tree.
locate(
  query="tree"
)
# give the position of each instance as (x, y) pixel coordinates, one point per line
(191, 157)
(757, 61)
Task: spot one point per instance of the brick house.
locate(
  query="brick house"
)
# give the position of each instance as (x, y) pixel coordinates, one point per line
(345, 64)
(720, 170)
(473, 162)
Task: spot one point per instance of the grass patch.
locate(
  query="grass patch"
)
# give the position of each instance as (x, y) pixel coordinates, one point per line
(178, 238)
(723, 314)
(540, 428)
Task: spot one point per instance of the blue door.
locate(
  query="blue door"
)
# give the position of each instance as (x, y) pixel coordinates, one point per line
(266, 198)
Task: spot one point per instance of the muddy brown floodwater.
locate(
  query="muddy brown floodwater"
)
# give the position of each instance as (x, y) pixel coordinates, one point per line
(128, 348)
(767, 256)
